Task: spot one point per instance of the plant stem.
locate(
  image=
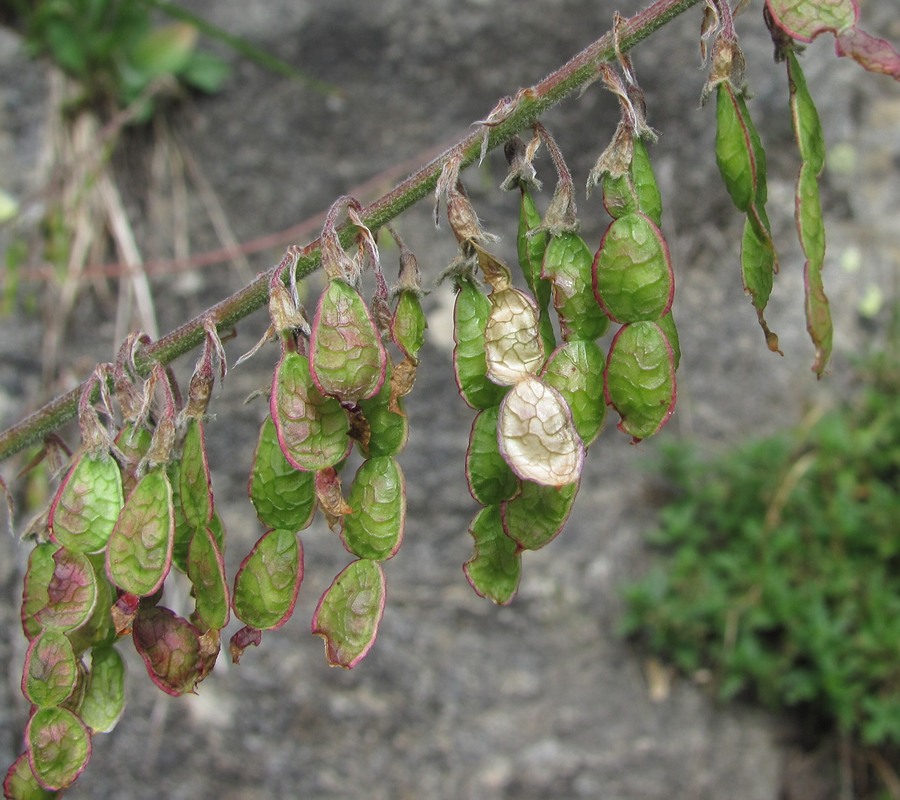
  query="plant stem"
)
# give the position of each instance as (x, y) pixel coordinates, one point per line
(519, 113)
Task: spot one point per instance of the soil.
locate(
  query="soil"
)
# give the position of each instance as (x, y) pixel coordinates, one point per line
(460, 698)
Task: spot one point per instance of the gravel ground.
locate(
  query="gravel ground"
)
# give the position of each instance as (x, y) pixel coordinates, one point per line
(459, 698)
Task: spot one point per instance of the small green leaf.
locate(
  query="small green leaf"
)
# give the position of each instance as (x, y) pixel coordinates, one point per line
(374, 528)
(87, 504)
(470, 316)
(139, 551)
(170, 648)
(575, 370)
(633, 277)
(51, 669)
(537, 436)
(567, 265)
(20, 783)
(489, 476)
(268, 580)
(537, 515)
(346, 357)
(640, 378)
(349, 612)
(59, 747)
(313, 430)
(206, 570)
(283, 496)
(205, 72)
(495, 567)
(164, 51)
(104, 698)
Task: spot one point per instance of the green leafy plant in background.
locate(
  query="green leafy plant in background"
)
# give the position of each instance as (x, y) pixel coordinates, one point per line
(780, 565)
(135, 505)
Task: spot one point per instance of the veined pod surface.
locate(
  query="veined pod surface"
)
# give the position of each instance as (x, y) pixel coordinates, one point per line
(206, 571)
(349, 612)
(632, 271)
(387, 420)
(38, 574)
(495, 567)
(87, 504)
(470, 316)
(735, 153)
(530, 248)
(70, 595)
(313, 430)
(513, 346)
(567, 265)
(408, 325)
(99, 627)
(104, 697)
(536, 435)
(21, 784)
(537, 515)
(268, 580)
(283, 496)
(636, 190)
(195, 486)
(170, 648)
(51, 669)
(489, 476)
(575, 370)
(59, 747)
(139, 550)
(667, 325)
(640, 378)
(346, 357)
(374, 528)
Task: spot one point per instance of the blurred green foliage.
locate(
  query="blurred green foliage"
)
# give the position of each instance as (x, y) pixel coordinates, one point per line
(780, 566)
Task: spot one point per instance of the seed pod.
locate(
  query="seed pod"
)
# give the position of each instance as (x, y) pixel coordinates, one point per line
(104, 697)
(58, 746)
(133, 443)
(536, 435)
(667, 325)
(87, 504)
(170, 648)
(195, 487)
(268, 580)
(575, 370)
(470, 316)
(349, 612)
(567, 264)
(512, 343)
(530, 245)
(408, 324)
(313, 430)
(346, 357)
(51, 669)
(71, 593)
(38, 575)
(99, 627)
(640, 378)
(139, 550)
(489, 476)
(735, 153)
(206, 570)
(284, 497)
(758, 265)
(537, 515)
(633, 278)
(374, 528)
(20, 783)
(388, 425)
(649, 200)
(495, 567)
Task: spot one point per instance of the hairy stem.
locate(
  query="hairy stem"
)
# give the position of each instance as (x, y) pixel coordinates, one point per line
(511, 116)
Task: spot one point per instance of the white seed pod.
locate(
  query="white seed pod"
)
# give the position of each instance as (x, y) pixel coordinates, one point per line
(537, 436)
(513, 346)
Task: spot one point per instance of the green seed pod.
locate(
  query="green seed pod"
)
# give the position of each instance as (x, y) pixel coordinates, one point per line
(537, 515)
(374, 528)
(667, 325)
(268, 580)
(313, 430)
(99, 627)
(640, 378)
(387, 421)
(21, 784)
(170, 648)
(536, 435)
(87, 504)
(512, 343)
(531, 247)
(58, 746)
(346, 357)
(495, 567)
(644, 181)
(619, 195)
(206, 571)
(104, 697)
(139, 550)
(349, 612)
(633, 278)
(470, 316)
(575, 370)
(71, 592)
(38, 575)
(195, 487)
(567, 264)
(284, 497)
(51, 669)
(735, 153)
(408, 325)
(489, 476)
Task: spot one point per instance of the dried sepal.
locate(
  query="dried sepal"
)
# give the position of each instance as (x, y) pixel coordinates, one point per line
(330, 497)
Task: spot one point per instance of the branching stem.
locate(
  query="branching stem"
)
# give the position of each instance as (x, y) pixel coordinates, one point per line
(511, 116)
